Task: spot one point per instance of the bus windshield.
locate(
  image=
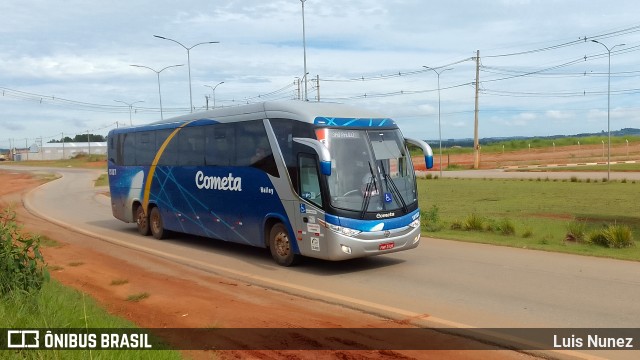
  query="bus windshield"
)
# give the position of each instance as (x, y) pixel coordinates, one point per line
(371, 170)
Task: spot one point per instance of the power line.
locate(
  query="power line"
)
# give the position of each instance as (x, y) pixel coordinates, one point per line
(625, 31)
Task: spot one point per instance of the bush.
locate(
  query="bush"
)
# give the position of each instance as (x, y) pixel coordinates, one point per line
(613, 236)
(431, 219)
(597, 237)
(456, 225)
(576, 231)
(473, 222)
(22, 267)
(489, 225)
(619, 236)
(505, 227)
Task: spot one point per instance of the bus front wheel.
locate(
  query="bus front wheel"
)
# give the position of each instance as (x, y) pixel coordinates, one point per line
(280, 246)
(142, 221)
(155, 224)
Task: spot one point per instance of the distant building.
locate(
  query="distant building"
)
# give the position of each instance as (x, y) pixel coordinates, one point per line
(58, 151)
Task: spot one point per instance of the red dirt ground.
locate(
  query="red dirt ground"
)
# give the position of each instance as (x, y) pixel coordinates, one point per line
(182, 297)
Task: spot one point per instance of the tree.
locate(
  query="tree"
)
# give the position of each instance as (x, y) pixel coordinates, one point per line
(80, 138)
(91, 138)
(66, 139)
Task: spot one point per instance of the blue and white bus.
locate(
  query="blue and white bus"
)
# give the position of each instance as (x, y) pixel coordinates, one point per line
(319, 180)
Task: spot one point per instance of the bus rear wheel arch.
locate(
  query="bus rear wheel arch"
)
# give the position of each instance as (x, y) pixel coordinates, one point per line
(280, 246)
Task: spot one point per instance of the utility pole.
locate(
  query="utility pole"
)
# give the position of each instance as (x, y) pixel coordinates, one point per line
(318, 86)
(304, 46)
(206, 97)
(476, 141)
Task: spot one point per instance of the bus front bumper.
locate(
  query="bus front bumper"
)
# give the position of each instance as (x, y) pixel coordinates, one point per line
(373, 243)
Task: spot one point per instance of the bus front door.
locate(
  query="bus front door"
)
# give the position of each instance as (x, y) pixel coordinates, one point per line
(310, 234)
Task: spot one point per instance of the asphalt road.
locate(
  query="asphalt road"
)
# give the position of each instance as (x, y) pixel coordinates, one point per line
(447, 283)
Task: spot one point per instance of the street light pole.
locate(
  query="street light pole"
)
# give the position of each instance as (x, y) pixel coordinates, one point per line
(304, 47)
(188, 61)
(608, 107)
(158, 74)
(439, 124)
(213, 90)
(130, 105)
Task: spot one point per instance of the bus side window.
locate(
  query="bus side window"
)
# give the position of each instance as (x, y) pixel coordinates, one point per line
(128, 149)
(145, 150)
(309, 179)
(220, 145)
(191, 147)
(115, 155)
(246, 149)
(169, 156)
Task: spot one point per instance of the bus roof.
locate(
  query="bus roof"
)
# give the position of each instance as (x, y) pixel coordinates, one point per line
(292, 109)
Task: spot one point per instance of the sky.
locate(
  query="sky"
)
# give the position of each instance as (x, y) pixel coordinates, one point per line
(65, 66)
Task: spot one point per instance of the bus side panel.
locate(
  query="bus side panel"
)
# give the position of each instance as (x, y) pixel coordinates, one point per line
(227, 203)
(125, 185)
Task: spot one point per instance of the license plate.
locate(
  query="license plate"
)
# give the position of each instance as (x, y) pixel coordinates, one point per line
(386, 246)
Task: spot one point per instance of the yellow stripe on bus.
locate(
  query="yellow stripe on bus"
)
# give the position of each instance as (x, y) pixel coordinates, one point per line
(152, 169)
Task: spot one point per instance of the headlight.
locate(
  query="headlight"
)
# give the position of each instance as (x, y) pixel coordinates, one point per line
(343, 230)
(415, 223)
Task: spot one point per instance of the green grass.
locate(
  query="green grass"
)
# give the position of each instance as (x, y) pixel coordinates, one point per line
(56, 306)
(102, 180)
(538, 211)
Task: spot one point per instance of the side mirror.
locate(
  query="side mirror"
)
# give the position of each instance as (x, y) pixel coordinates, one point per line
(321, 150)
(426, 150)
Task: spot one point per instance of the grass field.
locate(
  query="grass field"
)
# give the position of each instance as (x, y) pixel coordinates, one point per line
(59, 307)
(539, 211)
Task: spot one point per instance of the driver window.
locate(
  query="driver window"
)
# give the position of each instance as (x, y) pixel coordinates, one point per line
(309, 181)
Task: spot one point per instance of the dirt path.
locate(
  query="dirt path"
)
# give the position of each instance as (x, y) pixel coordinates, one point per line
(182, 297)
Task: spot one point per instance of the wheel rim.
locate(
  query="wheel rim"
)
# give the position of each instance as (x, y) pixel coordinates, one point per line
(155, 221)
(282, 244)
(141, 219)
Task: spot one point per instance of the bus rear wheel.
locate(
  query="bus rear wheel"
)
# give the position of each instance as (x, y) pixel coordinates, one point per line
(156, 225)
(142, 221)
(280, 246)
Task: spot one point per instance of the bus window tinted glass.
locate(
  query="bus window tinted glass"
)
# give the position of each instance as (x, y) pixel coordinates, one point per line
(220, 147)
(128, 143)
(191, 146)
(145, 147)
(170, 154)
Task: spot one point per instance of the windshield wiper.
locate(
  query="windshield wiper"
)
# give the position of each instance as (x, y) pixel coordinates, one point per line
(367, 192)
(394, 190)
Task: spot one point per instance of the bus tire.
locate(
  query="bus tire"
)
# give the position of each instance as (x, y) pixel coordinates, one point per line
(142, 220)
(280, 246)
(156, 225)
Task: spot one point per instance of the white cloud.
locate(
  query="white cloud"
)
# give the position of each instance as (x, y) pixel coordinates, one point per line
(558, 115)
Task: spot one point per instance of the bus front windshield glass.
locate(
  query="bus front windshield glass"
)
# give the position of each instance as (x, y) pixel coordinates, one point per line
(371, 170)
